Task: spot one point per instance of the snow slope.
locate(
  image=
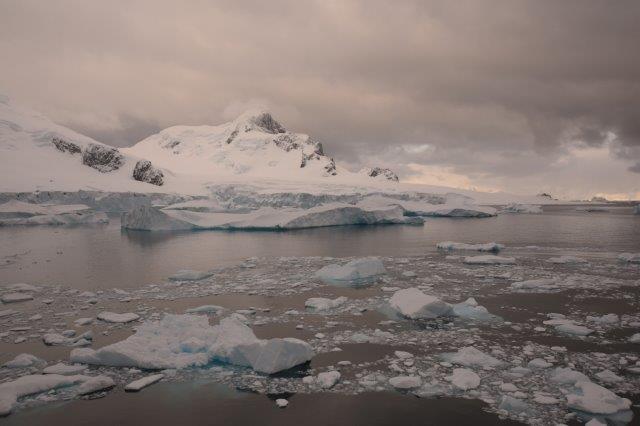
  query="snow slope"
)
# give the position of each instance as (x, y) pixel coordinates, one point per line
(39, 155)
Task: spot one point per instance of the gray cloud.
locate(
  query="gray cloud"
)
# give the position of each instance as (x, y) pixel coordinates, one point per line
(499, 89)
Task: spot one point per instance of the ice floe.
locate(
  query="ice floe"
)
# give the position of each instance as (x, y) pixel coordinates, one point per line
(118, 318)
(324, 304)
(464, 379)
(138, 385)
(489, 260)
(181, 341)
(469, 356)
(355, 271)
(15, 297)
(190, 275)
(414, 304)
(450, 245)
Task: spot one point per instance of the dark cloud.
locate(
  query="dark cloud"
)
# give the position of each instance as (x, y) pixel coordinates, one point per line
(500, 88)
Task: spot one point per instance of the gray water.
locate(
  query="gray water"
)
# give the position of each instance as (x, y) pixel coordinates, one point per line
(106, 257)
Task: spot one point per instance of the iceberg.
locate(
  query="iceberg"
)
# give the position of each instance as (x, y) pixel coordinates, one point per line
(64, 369)
(324, 304)
(521, 208)
(182, 341)
(469, 356)
(405, 382)
(450, 245)
(464, 379)
(592, 398)
(489, 260)
(34, 384)
(118, 318)
(470, 309)
(356, 271)
(24, 361)
(414, 304)
(328, 379)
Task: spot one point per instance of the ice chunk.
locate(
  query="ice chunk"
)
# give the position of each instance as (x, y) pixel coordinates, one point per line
(140, 384)
(470, 309)
(328, 379)
(15, 297)
(630, 257)
(608, 376)
(489, 260)
(95, 384)
(521, 208)
(405, 382)
(324, 304)
(414, 304)
(23, 287)
(593, 398)
(464, 379)
(281, 402)
(24, 361)
(573, 329)
(513, 405)
(117, 318)
(33, 384)
(205, 309)
(168, 343)
(56, 339)
(64, 369)
(605, 319)
(635, 338)
(358, 270)
(472, 357)
(567, 376)
(450, 245)
(538, 284)
(566, 259)
(190, 275)
(539, 363)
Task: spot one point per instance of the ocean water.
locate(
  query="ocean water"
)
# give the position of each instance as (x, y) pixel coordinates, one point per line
(271, 273)
(105, 257)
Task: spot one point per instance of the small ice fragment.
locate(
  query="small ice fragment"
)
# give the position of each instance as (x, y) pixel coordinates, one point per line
(140, 384)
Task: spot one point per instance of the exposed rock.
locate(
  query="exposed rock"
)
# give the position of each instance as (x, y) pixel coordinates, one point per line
(387, 174)
(102, 158)
(145, 172)
(330, 168)
(65, 146)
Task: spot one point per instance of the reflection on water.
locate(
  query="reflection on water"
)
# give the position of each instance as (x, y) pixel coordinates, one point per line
(201, 403)
(105, 256)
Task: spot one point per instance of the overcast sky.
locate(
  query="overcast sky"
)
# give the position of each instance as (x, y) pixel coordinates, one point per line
(522, 96)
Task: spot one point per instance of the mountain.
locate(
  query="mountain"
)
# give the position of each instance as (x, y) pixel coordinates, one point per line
(254, 144)
(37, 154)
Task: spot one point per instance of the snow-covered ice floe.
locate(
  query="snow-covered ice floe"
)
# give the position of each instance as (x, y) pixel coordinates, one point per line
(16, 212)
(521, 208)
(357, 271)
(489, 260)
(323, 303)
(181, 341)
(11, 391)
(414, 304)
(537, 285)
(450, 245)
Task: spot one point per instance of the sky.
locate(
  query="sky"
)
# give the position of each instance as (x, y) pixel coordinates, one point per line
(510, 95)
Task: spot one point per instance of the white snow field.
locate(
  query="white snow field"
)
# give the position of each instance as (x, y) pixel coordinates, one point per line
(292, 182)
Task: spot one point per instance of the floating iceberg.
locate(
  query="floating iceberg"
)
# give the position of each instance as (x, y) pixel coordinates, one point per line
(181, 341)
(521, 208)
(16, 212)
(470, 309)
(414, 304)
(324, 304)
(266, 218)
(592, 398)
(489, 260)
(542, 284)
(34, 384)
(356, 271)
(450, 245)
(464, 379)
(472, 357)
(118, 318)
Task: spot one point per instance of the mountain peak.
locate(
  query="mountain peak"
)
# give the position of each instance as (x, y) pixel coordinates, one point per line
(258, 119)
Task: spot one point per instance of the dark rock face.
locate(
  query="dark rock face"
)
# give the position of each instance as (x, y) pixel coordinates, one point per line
(330, 168)
(102, 158)
(267, 123)
(65, 146)
(145, 172)
(387, 173)
(232, 136)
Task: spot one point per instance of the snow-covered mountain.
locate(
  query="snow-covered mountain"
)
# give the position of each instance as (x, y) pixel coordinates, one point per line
(254, 144)
(37, 154)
